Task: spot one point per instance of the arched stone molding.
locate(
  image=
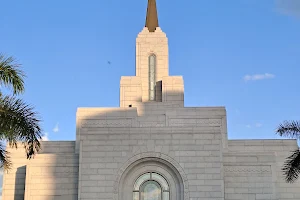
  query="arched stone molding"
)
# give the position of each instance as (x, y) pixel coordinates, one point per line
(162, 162)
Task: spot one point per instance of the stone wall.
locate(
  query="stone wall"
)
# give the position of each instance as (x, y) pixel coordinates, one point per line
(191, 137)
(52, 174)
(252, 170)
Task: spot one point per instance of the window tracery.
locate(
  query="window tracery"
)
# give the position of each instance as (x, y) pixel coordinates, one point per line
(151, 186)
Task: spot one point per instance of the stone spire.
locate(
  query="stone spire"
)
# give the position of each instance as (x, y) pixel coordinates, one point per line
(151, 18)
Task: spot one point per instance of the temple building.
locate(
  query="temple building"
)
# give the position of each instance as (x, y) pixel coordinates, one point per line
(151, 147)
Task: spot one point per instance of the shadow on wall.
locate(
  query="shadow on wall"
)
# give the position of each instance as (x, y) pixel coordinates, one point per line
(20, 183)
(132, 113)
(108, 137)
(163, 100)
(53, 173)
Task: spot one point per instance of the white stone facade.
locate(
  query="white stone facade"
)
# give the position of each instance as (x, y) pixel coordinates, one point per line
(188, 146)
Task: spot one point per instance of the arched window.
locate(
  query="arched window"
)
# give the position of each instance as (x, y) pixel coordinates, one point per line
(152, 69)
(151, 186)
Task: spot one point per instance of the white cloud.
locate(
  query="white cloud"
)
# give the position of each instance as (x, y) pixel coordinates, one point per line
(257, 77)
(56, 128)
(288, 7)
(45, 137)
(257, 125)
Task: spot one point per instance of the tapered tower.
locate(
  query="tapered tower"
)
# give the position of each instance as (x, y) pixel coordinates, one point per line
(152, 82)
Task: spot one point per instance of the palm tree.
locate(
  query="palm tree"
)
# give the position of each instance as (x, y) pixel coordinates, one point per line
(291, 166)
(18, 121)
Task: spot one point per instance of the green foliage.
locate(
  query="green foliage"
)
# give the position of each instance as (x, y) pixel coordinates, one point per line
(18, 121)
(290, 129)
(11, 75)
(291, 167)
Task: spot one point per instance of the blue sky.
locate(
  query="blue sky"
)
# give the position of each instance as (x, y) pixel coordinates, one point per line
(64, 48)
(242, 54)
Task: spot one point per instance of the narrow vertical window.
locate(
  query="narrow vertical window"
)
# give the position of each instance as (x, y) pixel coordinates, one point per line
(152, 69)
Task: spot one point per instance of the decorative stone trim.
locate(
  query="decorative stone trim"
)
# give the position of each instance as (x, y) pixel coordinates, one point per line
(247, 169)
(151, 156)
(107, 123)
(152, 124)
(121, 122)
(195, 122)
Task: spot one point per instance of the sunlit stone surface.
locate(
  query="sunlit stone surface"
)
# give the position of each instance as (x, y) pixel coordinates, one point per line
(184, 151)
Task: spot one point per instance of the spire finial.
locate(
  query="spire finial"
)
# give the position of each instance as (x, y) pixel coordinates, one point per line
(151, 18)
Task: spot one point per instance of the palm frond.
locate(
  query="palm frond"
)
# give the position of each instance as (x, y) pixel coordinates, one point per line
(290, 129)
(291, 167)
(4, 159)
(10, 74)
(18, 122)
